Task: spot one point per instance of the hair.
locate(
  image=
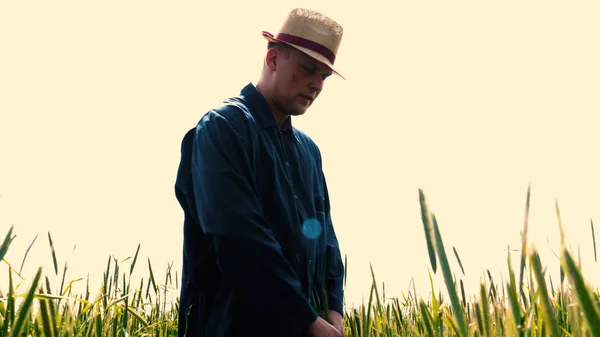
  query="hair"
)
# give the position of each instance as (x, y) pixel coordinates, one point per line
(284, 48)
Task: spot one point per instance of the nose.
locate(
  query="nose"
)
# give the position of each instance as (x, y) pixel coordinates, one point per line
(316, 83)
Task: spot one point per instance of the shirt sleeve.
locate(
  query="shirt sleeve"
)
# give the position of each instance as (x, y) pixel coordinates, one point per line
(229, 209)
(334, 272)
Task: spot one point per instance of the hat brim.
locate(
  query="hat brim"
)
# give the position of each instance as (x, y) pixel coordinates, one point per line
(318, 57)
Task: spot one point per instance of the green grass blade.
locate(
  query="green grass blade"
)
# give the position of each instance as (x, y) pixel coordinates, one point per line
(44, 296)
(87, 288)
(458, 259)
(560, 225)
(46, 319)
(6, 243)
(546, 307)
(138, 316)
(452, 325)
(52, 307)
(462, 293)
(116, 276)
(98, 323)
(479, 319)
(456, 307)
(62, 282)
(593, 239)
(345, 271)
(513, 297)
(105, 284)
(125, 317)
(152, 278)
(493, 293)
(134, 259)
(53, 253)
(25, 308)
(582, 293)
(11, 299)
(485, 311)
(427, 319)
(366, 318)
(378, 307)
(26, 253)
(434, 301)
(9, 309)
(524, 237)
(426, 219)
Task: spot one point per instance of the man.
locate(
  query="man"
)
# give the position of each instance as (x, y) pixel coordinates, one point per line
(260, 255)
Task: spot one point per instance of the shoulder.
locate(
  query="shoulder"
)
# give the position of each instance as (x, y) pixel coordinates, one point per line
(231, 117)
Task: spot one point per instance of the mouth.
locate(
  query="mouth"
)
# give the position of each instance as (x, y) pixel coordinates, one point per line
(309, 98)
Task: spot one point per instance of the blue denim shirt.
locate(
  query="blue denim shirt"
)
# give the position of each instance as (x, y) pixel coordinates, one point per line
(260, 254)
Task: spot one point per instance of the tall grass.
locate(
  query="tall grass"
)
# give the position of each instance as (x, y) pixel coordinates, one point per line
(527, 306)
(117, 309)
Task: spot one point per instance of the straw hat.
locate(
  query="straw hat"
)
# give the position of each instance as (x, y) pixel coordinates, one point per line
(312, 33)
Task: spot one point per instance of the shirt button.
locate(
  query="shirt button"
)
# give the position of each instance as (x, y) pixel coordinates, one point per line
(296, 196)
(287, 163)
(309, 261)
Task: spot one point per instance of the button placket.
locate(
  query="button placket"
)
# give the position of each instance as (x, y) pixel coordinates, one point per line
(287, 162)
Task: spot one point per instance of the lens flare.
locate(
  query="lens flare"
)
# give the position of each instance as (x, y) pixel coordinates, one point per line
(311, 228)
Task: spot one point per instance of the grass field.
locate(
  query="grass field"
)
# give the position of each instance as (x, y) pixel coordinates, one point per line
(528, 304)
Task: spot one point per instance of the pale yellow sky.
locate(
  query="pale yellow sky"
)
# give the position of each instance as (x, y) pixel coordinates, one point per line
(468, 100)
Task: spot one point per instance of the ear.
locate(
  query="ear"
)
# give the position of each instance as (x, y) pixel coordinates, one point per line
(271, 58)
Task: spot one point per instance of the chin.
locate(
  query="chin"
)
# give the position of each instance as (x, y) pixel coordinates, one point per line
(298, 112)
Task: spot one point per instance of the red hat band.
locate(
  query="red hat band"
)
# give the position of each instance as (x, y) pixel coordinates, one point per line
(312, 45)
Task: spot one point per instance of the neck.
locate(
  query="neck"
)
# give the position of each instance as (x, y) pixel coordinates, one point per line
(266, 91)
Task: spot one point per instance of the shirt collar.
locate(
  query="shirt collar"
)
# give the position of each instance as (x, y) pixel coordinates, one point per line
(259, 105)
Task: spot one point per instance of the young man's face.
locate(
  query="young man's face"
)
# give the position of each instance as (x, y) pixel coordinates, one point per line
(298, 81)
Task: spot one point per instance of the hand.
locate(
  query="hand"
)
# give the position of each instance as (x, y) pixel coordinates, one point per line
(336, 319)
(321, 328)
